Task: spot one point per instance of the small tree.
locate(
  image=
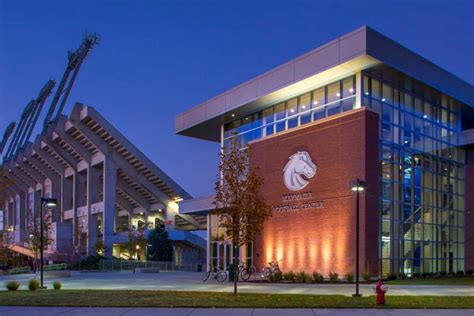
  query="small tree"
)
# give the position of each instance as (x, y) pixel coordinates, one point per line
(136, 239)
(238, 202)
(160, 248)
(34, 235)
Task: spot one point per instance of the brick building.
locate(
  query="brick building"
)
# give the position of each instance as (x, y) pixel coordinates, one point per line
(359, 107)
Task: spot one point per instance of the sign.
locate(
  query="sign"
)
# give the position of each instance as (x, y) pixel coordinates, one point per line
(297, 202)
(298, 170)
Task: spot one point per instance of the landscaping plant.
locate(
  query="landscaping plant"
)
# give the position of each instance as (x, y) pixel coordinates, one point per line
(289, 276)
(318, 277)
(333, 277)
(366, 276)
(33, 285)
(57, 285)
(12, 285)
(301, 277)
(350, 277)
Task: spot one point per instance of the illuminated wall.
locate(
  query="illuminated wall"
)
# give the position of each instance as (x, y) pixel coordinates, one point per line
(313, 229)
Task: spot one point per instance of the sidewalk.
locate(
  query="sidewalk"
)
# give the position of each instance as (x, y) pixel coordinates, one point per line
(128, 311)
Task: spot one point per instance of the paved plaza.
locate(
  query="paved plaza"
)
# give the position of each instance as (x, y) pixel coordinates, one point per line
(69, 311)
(191, 281)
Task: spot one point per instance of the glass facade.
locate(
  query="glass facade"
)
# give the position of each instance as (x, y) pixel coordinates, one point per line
(422, 209)
(325, 101)
(423, 174)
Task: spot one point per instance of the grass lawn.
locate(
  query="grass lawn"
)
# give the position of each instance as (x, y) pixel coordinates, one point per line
(117, 298)
(469, 280)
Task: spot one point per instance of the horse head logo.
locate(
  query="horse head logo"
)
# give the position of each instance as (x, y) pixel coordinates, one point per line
(297, 170)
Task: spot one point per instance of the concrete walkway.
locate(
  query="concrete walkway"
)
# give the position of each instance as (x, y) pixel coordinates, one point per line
(190, 281)
(47, 311)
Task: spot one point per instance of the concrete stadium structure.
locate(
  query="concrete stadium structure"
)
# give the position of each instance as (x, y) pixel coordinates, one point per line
(104, 186)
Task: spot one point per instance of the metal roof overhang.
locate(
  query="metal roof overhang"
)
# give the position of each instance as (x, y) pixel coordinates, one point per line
(355, 51)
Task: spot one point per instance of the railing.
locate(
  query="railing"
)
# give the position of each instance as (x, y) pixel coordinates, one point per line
(120, 265)
(55, 267)
(20, 270)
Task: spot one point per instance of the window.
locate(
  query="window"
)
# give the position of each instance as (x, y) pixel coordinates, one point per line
(292, 113)
(304, 104)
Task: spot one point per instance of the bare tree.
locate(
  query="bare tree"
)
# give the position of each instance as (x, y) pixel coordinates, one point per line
(241, 208)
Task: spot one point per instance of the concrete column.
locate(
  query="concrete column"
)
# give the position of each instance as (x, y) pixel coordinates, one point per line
(108, 218)
(92, 197)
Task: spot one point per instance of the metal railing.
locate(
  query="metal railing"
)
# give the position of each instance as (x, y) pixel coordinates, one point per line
(120, 265)
(20, 270)
(55, 267)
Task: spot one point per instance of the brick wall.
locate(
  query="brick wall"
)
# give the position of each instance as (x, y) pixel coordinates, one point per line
(322, 239)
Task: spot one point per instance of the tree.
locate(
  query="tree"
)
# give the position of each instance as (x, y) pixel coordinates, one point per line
(239, 205)
(34, 235)
(136, 239)
(160, 248)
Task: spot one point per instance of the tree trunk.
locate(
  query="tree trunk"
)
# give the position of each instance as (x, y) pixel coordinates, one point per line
(236, 269)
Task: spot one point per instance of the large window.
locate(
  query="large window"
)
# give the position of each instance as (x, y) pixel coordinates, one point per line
(325, 101)
(422, 175)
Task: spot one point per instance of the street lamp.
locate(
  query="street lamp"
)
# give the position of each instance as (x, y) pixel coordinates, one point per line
(45, 202)
(357, 186)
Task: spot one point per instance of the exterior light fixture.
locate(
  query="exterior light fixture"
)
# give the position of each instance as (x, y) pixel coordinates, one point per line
(292, 110)
(315, 102)
(138, 247)
(366, 93)
(45, 202)
(351, 90)
(232, 115)
(383, 99)
(357, 186)
(303, 106)
(338, 94)
(425, 116)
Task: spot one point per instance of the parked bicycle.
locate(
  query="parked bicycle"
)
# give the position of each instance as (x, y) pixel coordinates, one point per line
(270, 269)
(217, 274)
(246, 272)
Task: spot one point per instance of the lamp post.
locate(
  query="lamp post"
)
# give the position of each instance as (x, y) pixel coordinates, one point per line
(357, 186)
(44, 203)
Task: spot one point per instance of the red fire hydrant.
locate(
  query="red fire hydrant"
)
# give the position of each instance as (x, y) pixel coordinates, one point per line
(380, 291)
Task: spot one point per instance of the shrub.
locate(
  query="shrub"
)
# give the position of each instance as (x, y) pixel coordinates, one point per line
(301, 277)
(416, 275)
(289, 276)
(402, 276)
(333, 277)
(469, 272)
(391, 276)
(12, 285)
(366, 276)
(425, 275)
(308, 278)
(57, 285)
(276, 277)
(91, 262)
(318, 277)
(350, 277)
(33, 285)
(442, 273)
(460, 273)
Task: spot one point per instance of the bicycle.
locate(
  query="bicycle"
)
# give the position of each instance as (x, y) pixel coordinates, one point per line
(217, 274)
(246, 273)
(272, 268)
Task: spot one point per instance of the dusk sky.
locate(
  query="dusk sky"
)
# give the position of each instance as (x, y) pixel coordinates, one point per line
(157, 59)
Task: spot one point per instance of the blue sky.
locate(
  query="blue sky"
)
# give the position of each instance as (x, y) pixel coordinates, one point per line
(159, 58)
